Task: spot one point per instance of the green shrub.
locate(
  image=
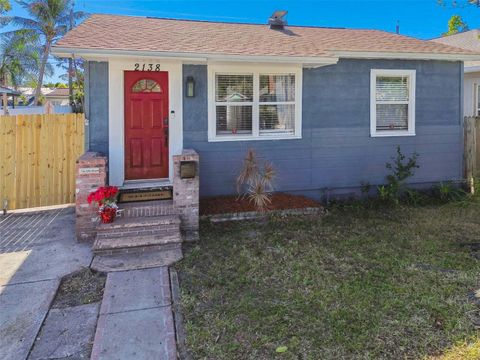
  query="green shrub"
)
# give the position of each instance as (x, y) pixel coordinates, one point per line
(401, 169)
(414, 197)
(447, 191)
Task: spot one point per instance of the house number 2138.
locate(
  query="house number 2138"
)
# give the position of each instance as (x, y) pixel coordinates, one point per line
(147, 67)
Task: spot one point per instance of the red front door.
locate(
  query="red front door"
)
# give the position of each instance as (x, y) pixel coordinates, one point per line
(146, 125)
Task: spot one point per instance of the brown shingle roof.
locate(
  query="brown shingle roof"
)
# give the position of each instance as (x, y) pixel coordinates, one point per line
(57, 92)
(128, 33)
(468, 40)
(465, 40)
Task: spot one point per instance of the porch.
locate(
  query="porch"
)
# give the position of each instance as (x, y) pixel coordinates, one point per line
(153, 227)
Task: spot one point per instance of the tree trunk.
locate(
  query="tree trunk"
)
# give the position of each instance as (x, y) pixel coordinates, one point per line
(70, 80)
(5, 103)
(70, 64)
(3, 81)
(41, 73)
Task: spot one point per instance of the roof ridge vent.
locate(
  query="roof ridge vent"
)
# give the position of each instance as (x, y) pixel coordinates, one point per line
(277, 21)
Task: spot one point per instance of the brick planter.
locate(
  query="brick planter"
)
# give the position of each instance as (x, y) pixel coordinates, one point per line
(91, 173)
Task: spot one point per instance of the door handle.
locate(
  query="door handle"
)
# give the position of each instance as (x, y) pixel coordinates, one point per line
(165, 131)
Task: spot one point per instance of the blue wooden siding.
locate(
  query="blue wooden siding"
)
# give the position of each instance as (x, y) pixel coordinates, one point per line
(96, 106)
(336, 151)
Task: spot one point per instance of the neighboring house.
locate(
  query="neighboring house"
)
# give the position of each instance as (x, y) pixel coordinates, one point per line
(57, 96)
(11, 95)
(327, 106)
(469, 40)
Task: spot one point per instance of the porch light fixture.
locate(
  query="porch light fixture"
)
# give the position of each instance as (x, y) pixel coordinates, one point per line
(190, 86)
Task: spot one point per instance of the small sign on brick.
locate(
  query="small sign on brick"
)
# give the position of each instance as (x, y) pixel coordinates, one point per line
(90, 170)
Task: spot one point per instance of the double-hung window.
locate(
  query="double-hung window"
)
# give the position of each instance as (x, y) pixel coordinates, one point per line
(254, 104)
(392, 102)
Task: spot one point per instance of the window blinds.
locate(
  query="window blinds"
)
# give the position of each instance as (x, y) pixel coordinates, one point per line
(234, 97)
(269, 109)
(392, 101)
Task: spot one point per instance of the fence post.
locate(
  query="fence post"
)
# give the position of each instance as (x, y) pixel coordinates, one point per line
(470, 143)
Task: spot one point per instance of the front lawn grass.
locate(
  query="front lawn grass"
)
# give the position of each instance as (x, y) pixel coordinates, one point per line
(358, 283)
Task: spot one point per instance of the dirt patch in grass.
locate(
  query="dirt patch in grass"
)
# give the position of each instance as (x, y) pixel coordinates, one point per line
(233, 204)
(358, 283)
(82, 287)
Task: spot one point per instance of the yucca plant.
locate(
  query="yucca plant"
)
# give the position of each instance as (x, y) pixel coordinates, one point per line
(255, 181)
(249, 170)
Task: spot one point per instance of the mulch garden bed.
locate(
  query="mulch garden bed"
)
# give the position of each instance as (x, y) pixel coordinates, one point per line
(234, 204)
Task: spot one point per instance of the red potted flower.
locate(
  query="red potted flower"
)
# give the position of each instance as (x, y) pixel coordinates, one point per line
(106, 198)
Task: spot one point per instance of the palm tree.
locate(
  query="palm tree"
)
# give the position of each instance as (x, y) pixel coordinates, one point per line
(19, 59)
(49, 20)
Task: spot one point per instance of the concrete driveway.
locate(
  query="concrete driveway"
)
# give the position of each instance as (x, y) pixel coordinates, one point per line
(36, 250)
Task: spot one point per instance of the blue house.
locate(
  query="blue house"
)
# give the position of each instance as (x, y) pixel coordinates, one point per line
(326, 106)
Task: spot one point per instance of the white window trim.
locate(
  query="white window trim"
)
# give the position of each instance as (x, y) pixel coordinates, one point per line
(256, 70)
(374, 73)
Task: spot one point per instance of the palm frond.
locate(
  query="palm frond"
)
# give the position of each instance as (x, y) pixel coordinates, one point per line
(24, 23)
(19, 56)
(5, 20)
(29, 36)
(48, 10)
(77, 16)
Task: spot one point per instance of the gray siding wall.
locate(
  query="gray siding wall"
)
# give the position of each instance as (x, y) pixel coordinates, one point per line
(96, 106)
(336, 153)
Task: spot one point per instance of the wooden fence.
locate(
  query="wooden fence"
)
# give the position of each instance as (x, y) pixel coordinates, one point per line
(37, 159)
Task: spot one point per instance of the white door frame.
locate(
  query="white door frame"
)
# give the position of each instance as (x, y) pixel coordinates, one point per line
(116, 110)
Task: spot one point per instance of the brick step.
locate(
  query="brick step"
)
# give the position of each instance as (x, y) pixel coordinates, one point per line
(138, 235)
(103, 244)
(127, 223)
(147, 208)
(166, 255)
(159, 230)
(144, 246)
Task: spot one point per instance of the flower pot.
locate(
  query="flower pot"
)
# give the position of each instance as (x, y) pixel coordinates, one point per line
(107, 214)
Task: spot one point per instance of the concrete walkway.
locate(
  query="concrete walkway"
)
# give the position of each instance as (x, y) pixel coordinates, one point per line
(136, 320)
(36, 251)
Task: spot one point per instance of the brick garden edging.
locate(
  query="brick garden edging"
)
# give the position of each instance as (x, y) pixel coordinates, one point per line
(252, 215)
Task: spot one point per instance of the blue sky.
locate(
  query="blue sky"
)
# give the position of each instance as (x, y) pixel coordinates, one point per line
(423, 19)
